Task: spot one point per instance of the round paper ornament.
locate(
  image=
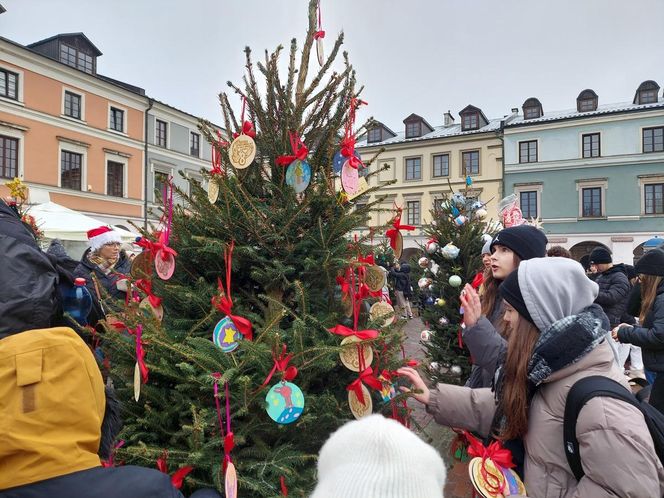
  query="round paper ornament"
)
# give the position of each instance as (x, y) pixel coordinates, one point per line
(226, 335)
(432, 247)
(424, 282)
(398, 250)
(285, 402)
(374, 277)
(350, 178)
(498, 477)
(156, 311)
(164, 263)
(455, 281)
(242, 151)
(137, 382)
(339, 160)
(425, 335)
(423, 262)
(440, 302)
(350, 356)
(450, 251)
(141, 266)
(230, 481)
(298, 175)
(381, 309)
(213, 191)
(358, 409)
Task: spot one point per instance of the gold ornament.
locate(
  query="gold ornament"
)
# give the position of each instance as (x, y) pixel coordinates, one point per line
(213, 190)
(242, 151)
(358, 409)
(382, 309)
(374, 278)
(350, 356)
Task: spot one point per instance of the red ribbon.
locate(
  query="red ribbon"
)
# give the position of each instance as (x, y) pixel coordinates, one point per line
(499, 455)
(140, 353)
(161, 246)
(247, 126)
(146, 286)
(320, 33)
(478, 280)
(367, 377)
(348, 142)
(111, 459)
(224, 303)
(216, 155)
(281, 365)
(178, 476)
(300, 151)
(396, 227)
(284, 489)
(363, 335)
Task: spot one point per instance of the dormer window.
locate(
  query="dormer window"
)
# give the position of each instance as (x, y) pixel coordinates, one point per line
(73, 49)
(470, 121)
(586, 101)
(532, 109)
(378, 132)
(76, 58)
(413, 129)
(416, 126)
(646, 93)
(375, 135)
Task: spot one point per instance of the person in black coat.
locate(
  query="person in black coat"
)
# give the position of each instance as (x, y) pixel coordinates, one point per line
(613, 284)
(401, 275)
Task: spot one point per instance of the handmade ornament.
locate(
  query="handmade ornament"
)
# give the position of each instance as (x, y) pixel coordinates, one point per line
(394, 233)
(429, 301)
(374, 277)
(156, 311)
(431, 247)
(460, 220)
(455, 281)
(362, 187)
(298, 175)
(424, 282)
(350, 178)
(434, 366)
(423, 262)
(440, 302)
(382, 309)
(469, 181)
(357, 408)
(387, 392)
(491, 471)
(216, 171)
(230, 481)
(226, 336)
(213, 190)
(243, 148)
(425, 335)
(141, 369)
(450, 251)
(164, 264)
(510, 212)
(164, 256)
(353, 353)
(459, 199)
(141, 265)
(339, 159)
(285, 402)
(318, 38)
(137, 382)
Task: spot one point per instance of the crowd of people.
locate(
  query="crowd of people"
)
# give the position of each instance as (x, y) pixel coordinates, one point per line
(538, 324)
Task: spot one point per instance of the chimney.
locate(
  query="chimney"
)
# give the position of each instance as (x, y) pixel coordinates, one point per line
(515, 110)
(449, 119)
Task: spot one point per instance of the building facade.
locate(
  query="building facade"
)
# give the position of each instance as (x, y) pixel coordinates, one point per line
(594, 175)
(423, 161)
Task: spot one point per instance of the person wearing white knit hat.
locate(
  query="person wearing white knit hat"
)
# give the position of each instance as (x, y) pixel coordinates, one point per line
(376, 457)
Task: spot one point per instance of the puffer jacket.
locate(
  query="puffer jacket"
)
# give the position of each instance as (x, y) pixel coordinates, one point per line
(401, 280)
(613, 294)
(650, 336)
(617, 450)
(486, 346)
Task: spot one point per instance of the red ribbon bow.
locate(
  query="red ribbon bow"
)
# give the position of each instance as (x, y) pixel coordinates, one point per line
(495, 452)
(146, 286)
(281, 365)
(396, 227)
(111, 459)
(363, 335)
(216, 155)
(320, 33)
(162, 245)
(348, 151)
(478, 280)
(300, 151)
(367, 377)
(178, 476)
(247, 129)
(140, 352)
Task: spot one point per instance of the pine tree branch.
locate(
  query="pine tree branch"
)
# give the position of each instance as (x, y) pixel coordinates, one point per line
(306, 54)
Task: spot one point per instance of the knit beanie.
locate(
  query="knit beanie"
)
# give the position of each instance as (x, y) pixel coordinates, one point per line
(375, 457)
(486, 248)
(98, 237)
(651, 263)
(510, 292)
(525, 241)
(56, 249)
(600, 256)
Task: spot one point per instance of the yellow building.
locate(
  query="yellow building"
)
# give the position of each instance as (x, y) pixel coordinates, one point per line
(423, 160)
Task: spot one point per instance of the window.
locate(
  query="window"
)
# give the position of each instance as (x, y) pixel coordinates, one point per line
(375, 135)
(471, 162)
(160, 182)
(413, 212)
(532, 108)
(531, 113)
(413, 129)
(591, 145)
(72, 105)
(653, 139)
(647, 96)
(587, 105)
(592, 202)
(8, 157)
(654, 198)
(71, 165)
(114, 179)
(160, 136)
(414, 168)
(117, 119)
(528, 204)
(8, 84)
(470, 121)
(195, 145)
(76, 58)
(441, 165)
(528, 151)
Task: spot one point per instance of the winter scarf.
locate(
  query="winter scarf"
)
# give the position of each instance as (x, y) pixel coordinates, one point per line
(105, 265)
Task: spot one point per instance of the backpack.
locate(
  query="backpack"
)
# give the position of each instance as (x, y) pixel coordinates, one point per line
(583, 391)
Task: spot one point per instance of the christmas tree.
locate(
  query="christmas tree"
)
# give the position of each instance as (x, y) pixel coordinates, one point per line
(267, 284)
(452, 259)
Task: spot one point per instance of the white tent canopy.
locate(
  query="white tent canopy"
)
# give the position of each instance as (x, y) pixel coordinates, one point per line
(59, 222)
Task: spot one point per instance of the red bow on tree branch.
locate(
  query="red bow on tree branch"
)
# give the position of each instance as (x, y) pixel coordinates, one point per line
(367, 377)
(140, 352)
(178, 476)
(247, 129)
(300, 151)
(281, 365)
(393, 232)
(495, 452)
(363, 335)
(146, 286)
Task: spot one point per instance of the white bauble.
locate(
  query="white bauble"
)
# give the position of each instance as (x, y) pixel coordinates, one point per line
(455, 281)
(455, 370)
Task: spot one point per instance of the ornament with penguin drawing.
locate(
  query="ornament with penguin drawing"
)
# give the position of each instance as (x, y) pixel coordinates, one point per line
(242, 151)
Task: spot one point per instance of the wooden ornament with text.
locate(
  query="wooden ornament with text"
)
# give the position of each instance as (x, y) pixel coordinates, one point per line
(213, 190)
(358, 409)
(242, 151)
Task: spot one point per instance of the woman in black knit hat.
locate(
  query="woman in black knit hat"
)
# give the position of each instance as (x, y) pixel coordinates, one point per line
(649, 335)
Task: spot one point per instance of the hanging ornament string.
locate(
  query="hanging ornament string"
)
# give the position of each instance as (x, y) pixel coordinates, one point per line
(224, 302)
(281, 365)
(284, 489)
(178, 476)
(500, 456)
(247, 126)
(217, 377)
(348, 142)
(320, 33)
(216, 155)
(394, 232)
(229, 439)
(300, 151)
(146, 286)
(140, 352)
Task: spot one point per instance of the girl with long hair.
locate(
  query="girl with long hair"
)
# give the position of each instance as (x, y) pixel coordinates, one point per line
(557, 336)
(649, 335)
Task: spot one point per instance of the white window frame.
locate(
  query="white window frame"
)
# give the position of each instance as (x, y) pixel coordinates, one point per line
(603, 184)
(19, 88)
(158, 167)
(531, 187)
(648, 180)
(168, 132)
(78, 149)
(124, 119)
(62, 104)
(412, 198)
(116, 158)
(10, 132)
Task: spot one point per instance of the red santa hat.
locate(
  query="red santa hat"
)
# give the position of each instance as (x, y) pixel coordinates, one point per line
(101, 236)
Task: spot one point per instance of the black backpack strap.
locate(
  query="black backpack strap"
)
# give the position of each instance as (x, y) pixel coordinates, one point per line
(581, 392)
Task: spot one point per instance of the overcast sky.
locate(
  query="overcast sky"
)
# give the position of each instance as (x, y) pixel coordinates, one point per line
(421, 56)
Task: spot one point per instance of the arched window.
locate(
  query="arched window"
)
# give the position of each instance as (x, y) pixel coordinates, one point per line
(532, 108)
(586, 101)
(646, 93)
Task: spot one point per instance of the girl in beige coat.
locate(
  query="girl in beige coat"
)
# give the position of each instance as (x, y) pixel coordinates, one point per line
(556, 337)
